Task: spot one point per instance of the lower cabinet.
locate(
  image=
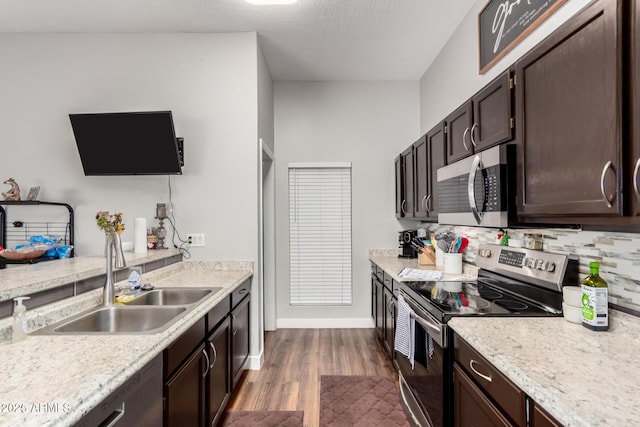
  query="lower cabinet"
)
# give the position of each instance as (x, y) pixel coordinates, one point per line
(239, 338)
(138, 402)
(184, 392)
(384, 307)
(202, 366)
(483, 396)
(218, 384)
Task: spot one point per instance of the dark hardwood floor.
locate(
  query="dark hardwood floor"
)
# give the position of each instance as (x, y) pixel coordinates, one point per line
(295, 359)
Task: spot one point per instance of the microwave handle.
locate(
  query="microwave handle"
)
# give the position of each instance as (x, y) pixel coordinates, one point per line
(471, 189)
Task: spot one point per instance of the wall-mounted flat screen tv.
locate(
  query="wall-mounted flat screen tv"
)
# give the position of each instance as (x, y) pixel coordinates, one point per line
(133, 143)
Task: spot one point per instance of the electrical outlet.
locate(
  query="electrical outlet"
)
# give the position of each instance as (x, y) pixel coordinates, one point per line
(196, 239)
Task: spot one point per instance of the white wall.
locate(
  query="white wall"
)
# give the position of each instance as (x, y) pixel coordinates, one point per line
(453, 77)
(209, 81)
(367, 124)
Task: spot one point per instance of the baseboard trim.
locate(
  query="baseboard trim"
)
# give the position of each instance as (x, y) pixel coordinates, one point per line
(254, 362)
(359, 323)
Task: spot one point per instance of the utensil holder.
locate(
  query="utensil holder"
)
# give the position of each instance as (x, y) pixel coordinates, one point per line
(452, 263)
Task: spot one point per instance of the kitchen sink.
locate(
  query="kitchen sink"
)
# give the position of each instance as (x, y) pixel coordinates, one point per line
(118, 319)
(151, 312)
(173, 296)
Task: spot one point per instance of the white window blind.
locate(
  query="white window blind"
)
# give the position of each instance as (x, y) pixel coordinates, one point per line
(320, 234)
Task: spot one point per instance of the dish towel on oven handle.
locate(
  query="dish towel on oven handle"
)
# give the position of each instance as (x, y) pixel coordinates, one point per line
(404, 341)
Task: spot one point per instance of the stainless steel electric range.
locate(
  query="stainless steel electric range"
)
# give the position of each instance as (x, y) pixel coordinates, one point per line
(511, 282)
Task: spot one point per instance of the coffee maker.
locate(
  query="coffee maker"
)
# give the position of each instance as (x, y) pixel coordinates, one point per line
(404, 239)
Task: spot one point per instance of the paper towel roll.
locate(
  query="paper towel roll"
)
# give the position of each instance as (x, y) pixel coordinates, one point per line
(140, 236)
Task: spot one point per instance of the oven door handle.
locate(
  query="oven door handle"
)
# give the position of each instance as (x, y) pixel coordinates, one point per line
(434, 330)
(471, 189)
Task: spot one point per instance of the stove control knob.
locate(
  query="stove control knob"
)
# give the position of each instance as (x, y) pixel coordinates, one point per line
(540, 264)
(486, 253)
(549, 266)
(529, 262)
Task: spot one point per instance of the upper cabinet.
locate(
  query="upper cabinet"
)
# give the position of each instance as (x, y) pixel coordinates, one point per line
(633, 165)
(416, 176)
(483, 121)
(569, 114)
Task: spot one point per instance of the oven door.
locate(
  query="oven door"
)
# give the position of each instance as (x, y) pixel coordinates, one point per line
(424, 388)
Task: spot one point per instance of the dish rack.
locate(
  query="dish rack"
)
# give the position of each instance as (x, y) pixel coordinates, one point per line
(19, 227)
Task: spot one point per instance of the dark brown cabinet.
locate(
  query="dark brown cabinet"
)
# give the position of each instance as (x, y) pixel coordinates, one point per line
(633, 164)
(569, 113)
(472, 407)
(436, 158)
(384, 307)
(540, 418)
(240, 317)
(483, 121)
(219, 379)
(185, 392)
(421, 184)
(203, 365)
(137, 402)
(408, 190)
(416, 183)
(399, 173)
(483, 396)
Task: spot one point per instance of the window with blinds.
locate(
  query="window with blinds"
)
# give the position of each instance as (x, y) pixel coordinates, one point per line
(320, 233)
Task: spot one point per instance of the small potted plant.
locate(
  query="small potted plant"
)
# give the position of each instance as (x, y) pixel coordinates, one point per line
(110, 222)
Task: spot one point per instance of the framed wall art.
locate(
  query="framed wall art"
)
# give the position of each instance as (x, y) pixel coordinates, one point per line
(502, 24)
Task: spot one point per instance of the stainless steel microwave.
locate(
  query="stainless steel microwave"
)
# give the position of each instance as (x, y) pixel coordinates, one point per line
(479, 190)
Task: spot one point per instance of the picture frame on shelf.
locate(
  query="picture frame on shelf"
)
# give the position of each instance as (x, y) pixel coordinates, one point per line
(33, 193)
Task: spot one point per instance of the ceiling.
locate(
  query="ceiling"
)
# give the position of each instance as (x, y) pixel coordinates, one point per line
(312, 40)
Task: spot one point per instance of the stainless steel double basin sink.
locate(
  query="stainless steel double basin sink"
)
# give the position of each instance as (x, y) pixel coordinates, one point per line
(150, 312)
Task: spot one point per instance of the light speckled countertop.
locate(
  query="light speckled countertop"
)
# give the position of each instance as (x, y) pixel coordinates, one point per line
(74, 373)
(582, 378)
(392, 265)
(17, 280)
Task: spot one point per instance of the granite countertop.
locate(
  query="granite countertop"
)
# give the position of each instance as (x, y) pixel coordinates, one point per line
(18, 280)
(581, 377)
(69, 375)
(392, 265)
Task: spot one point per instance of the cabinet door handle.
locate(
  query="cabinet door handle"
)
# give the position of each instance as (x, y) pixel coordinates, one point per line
(242, 291)
(402, 207)
(426, 204)
(464, 137)
(234, 320)
(635, 179)
(215, 354)
(114, 417)
(475, 126)
(608, 201)
(483, 376)
(206, 356)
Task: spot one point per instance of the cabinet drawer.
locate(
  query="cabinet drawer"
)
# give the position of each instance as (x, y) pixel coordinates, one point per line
(388, 282)
(180, 349)
(499, 389)
(217, 313)
(240, 292)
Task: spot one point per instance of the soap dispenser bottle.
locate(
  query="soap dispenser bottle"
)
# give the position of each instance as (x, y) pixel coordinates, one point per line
(19, 320)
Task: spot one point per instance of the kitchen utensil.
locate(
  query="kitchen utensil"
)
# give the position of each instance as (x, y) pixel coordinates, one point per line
(458, 243)
(463, 245)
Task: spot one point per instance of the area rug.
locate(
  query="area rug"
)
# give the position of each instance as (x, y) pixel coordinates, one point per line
(263, 419)
(363, 401)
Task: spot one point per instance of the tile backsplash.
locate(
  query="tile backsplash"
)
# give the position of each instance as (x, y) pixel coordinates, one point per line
(618, 254)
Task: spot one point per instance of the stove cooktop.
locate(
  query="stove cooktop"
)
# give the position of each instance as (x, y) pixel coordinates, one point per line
(511, 282)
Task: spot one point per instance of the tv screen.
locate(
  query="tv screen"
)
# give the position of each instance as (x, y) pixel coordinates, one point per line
(134, 143)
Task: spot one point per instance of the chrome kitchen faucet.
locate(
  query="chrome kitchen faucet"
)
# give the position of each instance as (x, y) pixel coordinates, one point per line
(113, 243)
